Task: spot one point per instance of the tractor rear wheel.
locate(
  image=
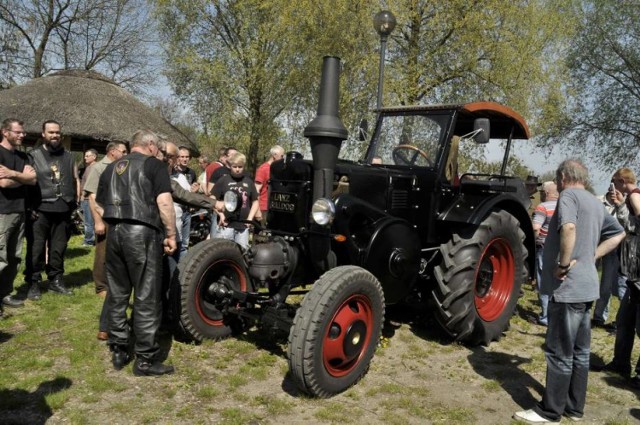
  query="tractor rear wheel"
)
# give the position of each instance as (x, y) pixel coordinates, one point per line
(479, 279)
(335, 331)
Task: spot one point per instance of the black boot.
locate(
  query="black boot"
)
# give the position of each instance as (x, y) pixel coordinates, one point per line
(57, 285)
(34, 293)
(12, 301)
(144, 367)
(120, 358)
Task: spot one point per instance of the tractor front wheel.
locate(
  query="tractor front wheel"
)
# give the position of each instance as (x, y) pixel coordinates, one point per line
(203, 312)
(335, 331)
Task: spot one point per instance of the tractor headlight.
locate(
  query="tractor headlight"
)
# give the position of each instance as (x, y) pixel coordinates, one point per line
(230, 201)
(323, 211)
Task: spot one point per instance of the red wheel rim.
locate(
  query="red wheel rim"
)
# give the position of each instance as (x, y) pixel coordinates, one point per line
(347, 335)
(207, 304)
(494, 279)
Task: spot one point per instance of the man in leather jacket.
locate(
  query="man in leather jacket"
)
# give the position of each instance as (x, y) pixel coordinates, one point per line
(135, 195)
(56, 195)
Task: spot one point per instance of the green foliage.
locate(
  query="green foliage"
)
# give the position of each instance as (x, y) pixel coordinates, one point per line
(250, 69)
(457, 51)
(604, 60)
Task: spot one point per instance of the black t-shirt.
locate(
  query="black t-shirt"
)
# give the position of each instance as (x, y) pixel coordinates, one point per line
(155, 169)
(245, 188)
(219, 172)
(12, 199)
(189, 174)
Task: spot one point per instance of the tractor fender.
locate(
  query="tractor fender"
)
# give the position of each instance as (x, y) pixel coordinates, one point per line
(388, 247)
(472, 210)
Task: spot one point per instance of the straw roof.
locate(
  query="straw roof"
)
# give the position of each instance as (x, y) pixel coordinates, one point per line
(92, 110)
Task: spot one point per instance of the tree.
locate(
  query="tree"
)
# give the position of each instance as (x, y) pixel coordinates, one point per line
(463, 50)
(113, 37)
(604, 115)
(251, 68)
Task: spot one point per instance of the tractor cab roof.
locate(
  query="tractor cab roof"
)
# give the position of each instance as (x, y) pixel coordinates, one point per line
(503, 119)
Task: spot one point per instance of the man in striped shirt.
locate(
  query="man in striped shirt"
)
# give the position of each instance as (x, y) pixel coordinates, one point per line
(541, 218)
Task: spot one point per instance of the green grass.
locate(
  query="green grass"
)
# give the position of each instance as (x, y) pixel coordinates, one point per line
(52, 367)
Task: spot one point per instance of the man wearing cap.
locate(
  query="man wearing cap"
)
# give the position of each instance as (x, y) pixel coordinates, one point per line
(532, 186)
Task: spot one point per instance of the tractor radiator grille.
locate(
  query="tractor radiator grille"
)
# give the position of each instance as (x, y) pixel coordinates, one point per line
(399, 199)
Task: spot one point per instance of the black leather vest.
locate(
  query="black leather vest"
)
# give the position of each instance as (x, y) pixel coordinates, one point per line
(55, 176)
(130, 196)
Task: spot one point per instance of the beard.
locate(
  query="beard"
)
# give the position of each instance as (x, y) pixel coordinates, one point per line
(54, 145)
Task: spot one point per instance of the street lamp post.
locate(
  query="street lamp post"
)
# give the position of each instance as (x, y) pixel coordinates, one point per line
(384, 22)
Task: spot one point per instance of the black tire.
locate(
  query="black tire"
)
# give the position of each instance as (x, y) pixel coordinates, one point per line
(203, 315)
(479, 280)
(327, 350)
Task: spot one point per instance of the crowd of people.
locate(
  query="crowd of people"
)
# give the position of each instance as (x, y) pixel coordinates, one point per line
(572, 229)
(136, 210)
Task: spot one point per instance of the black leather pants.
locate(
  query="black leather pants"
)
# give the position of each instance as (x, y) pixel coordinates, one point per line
(134, 263)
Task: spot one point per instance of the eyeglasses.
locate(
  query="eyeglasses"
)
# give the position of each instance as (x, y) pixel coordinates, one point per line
(18, 132)
(167, 155)
(123, 152)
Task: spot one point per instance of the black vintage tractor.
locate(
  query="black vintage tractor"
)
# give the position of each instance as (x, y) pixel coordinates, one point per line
(354, 237)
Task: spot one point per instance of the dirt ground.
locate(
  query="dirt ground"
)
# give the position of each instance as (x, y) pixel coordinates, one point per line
(416, 377)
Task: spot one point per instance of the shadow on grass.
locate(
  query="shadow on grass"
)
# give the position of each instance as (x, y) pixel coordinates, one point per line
(77, 251)
(505, 369)
(272, 342)
(420, 322)
(289, 386)
(526, 313)
(19, 406)
(4, 337)
(78, 278)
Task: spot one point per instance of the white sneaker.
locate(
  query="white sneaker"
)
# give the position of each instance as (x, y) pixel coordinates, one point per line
(530, 416)
(573, 418)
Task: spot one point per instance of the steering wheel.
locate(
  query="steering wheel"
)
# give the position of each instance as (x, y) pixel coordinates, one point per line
(408, 155)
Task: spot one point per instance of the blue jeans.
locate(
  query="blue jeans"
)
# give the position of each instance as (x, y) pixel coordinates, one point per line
(214, 225)
(89, 236)
(568, 344)
(185, 232)
(241, 237)
(544, 299)
(611, 282)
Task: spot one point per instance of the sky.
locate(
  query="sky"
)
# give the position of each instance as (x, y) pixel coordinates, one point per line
(543, 161)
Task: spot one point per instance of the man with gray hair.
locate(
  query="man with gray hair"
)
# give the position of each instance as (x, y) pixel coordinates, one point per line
(90, 157)
(135, 194)
(580, 232)
(263, 173)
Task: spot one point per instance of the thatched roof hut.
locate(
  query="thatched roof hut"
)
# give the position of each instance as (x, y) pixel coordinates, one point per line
(92, 110)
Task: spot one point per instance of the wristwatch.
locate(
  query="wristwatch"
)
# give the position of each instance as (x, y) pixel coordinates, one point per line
(560, 266)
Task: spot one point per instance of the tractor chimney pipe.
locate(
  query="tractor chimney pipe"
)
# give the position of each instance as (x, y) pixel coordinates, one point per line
(326, 132)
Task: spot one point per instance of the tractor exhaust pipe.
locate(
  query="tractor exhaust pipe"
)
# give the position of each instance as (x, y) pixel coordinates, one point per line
(326, 132)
